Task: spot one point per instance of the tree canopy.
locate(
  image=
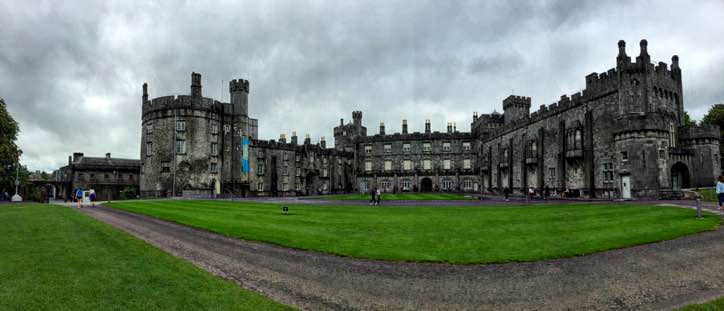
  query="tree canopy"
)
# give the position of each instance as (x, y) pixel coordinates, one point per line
(9, 151)
(715, 116)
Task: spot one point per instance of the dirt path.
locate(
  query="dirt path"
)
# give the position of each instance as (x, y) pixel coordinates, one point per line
(649, 277)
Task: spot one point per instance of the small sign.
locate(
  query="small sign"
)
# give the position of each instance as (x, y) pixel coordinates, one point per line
(285, 210)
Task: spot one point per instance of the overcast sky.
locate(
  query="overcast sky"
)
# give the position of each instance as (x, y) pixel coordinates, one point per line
(71, 71)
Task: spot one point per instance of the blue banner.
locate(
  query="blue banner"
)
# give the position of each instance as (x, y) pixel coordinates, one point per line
(245, 154)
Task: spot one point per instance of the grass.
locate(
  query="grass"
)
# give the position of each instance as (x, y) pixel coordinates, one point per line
(708, 194)
(397, 196)
(717, 304)
(437, 234)
(54, 258)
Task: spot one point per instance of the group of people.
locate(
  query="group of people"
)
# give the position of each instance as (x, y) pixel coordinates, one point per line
(78, 197)
(375, 196)
(533, 193)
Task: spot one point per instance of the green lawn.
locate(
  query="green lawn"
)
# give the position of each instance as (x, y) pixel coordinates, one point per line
(439, 234)
(714, 305)
(708, 194)
(54, 258)
(398, 196)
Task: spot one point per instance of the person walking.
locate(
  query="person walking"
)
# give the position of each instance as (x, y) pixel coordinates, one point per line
(79, 196)
(379, 197)
(720, 192)
(373, 193)
(547, 192)
(506, 192)
(92, 197)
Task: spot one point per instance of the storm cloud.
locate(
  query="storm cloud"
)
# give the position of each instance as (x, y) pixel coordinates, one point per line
(71, 71)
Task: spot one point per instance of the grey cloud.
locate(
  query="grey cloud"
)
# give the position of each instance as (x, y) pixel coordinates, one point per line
(72, 72)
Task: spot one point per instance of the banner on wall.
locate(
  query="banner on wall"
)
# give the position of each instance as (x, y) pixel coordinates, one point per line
(245, 154)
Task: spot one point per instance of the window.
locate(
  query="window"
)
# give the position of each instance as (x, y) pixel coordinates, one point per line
(447, 184)
(552, 173)
(214, 149)
(285, 186)
(467, 184)
(624, 156)
(298, 171)
(388, 165)
(297, 186)
(426, 147)
(324, 160)
(608, 172)
(405, 185)
(165, 167)
(662, 154)
(368, 149)
(446, 147)
(466, 164)
(260, 168)
(466, 146)
(149, 149)
(285, 170)
(180, 147)
(227, 128)
(149, 128)
(214, 128)
(260, 154)
(285, 156)
(180, 125)
(298, 157)
(406, 148)
(105, 176)
(213, 167)
(92, 176)
(325, 187)
(446, 164)
(407, 165)
(344, 133)
(368, 166)
(131, 177)
(385, 185)
(388, 148)
(260, 186)
(426, 164)
(324, 172)
(672, 135)
(365, 185)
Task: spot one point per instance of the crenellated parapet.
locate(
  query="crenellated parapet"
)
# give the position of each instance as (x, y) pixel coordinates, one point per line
(699, 134)
(239, 85)
(182, 102)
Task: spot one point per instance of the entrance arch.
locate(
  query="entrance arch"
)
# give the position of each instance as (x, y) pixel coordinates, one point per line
(311, 184)
(680, 176)
(426, 185)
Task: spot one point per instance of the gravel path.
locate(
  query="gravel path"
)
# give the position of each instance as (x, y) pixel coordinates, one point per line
(648, 277)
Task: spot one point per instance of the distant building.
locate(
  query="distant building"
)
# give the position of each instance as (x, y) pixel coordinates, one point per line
(106, 175)
(621, 137)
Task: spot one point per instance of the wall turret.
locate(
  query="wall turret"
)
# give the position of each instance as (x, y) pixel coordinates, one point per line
(195, 84)
(516, 108)
(382, 128)
(239, 89)
(644, 55)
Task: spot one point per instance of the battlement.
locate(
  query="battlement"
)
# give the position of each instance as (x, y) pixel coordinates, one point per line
(357, 115)
(182, 102)
(239, 85)
(700, 132)
(516, 101)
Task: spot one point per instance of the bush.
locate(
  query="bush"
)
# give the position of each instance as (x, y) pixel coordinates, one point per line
(128, 193)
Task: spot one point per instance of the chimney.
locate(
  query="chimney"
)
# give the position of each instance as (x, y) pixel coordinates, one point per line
(108, 156)
(427, 126)
(77, 156)
(323, 143)
(644, 55)
(341, 121)
(404, 126)
(195, 84)
(283, 138)
(449, 127)
(455, 127)
(70, 160)
(382, 128)
(294, 138)
(307, 140)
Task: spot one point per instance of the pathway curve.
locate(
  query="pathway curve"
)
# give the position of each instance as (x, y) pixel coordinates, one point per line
(648, 277)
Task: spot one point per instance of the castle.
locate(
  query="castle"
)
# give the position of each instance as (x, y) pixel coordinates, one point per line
(621, 137)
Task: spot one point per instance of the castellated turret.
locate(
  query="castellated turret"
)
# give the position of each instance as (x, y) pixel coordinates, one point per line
(516, 108)
(195, 84)
(239, 89)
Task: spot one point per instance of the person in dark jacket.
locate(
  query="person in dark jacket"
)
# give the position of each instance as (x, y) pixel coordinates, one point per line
(373, 194)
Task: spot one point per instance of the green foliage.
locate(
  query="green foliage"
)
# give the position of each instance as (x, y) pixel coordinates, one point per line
(9, 152)
(715, 115)
(470, 234)
(687, 120)
(54, 258)
(128, 193)
(708, 194)
(398, 196)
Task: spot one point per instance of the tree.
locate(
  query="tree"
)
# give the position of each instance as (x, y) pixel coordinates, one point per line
(9, 151)
(715, 116)
(687, 120)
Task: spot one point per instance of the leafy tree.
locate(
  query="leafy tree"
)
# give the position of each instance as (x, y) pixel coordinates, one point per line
(687, 120)
(9, 151)
(715, 116)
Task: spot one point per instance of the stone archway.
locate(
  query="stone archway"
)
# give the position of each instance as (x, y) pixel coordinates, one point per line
(426, 185)
(311, 184)
(680, 176)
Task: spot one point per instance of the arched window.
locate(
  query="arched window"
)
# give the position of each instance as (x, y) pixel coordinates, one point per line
(672, 135)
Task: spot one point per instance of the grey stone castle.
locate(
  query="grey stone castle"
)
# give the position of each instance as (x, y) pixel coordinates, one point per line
(621, 137)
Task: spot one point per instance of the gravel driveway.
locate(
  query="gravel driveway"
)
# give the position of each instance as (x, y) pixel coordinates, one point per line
(648, 277)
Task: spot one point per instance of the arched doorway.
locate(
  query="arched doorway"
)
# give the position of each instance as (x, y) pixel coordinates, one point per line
(310, 185)
(679, 176)
(426, 185)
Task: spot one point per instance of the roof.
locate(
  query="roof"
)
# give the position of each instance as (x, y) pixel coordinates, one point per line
(107, 162)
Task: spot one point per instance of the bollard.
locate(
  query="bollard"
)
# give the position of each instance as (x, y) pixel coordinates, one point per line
(698, 208)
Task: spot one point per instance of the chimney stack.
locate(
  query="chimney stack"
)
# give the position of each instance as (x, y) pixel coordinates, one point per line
(427, 126)
(382, 128)
(404, 126)
(307, 140)
(195, 84)
(323, 143)
(283, 138)
(108, 156)
(294, 138)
